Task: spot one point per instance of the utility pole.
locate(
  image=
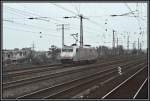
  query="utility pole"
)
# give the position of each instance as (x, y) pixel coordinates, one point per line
(128, 43)
(62, 28)
(117, 47)
(81, 27)
(62, 35)
(31, 52)
(113, 43)
(138, 46)
(117, 42)
(134, 45)
(81, 31)
(33, 46)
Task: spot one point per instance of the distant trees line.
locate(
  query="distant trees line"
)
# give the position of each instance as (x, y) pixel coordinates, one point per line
(53, 55)
(105, 51)
(102, 52)
(50, 57)
(35, 57)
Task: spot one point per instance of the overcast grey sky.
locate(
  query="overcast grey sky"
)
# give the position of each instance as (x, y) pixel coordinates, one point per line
(19, 31)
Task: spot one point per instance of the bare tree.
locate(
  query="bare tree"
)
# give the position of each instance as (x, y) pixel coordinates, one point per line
(55, 51)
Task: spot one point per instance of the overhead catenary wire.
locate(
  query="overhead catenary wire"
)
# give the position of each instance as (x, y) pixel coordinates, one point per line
(59, 7)
(17, 29)
(137, 18)
(44, 17)
(88, 35)
(88, 28)
(88, 19)
(35, 14)
(30, 14)
(24, 24)
(17, 11)
(65, 9)
(133, 14)
(37, 32)
(21, 16)
(77, 9)
(71, 11)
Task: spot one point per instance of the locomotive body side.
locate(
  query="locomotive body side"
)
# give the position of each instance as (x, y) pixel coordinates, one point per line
(85, 54)
(67, 54)
(77, 54)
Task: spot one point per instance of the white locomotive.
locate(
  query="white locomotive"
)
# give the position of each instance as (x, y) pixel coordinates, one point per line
(76, 54)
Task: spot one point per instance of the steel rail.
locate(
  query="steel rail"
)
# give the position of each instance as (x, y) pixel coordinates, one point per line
(117, 87)
(30, 70)
(55, 95)
(35, 70)
(85, 94)
(14, 70)
(43, 90)
(47, 76)
(59, 85)
(140, 88)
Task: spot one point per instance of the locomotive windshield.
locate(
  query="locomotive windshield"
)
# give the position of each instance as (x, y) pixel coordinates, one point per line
(67, 50)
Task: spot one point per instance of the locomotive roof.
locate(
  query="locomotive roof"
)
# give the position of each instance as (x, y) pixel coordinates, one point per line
(87, 46)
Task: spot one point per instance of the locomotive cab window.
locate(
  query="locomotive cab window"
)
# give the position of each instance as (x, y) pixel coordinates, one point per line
(76, 50)
(67, 50)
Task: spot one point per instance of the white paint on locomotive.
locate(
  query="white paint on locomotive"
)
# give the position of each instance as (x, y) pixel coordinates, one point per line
(78, 54)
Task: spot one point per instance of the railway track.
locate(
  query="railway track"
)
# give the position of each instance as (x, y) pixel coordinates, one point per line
(142, 92)
(103, 89)
(129, 88)
(72, 91)
(36, 70)
(32, 72)
(65, 89)
(58, 64)
(28, 68)
(25, 81)
(26, 71)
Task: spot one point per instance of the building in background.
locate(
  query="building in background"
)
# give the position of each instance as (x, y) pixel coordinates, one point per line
(13, 55)
(28, 55)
